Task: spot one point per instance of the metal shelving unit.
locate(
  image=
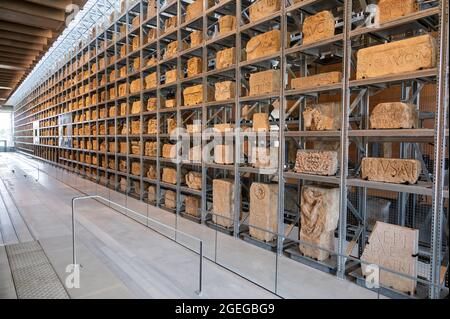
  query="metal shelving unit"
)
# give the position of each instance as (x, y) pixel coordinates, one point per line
(50, 102)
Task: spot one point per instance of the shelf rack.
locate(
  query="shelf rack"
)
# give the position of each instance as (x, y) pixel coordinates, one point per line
(51, 104)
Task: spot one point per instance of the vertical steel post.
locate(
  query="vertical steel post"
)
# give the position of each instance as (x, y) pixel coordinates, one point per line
(344, 138)
(441, 116)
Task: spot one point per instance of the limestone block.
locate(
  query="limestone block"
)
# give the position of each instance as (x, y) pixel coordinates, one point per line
(135, 86)
(263, 211)
(137, 64)
(401, 56)
(316, 162)
(194, 128)
(151, 8)
(227, 24)
(135, 43)
(151, 35)
(192, 205)
(123, 184)
(262, 8)
(170, 23)
(150, 148)
(136, 147)
(123, 109)
(264, 157)
(170, 199)
(136, 127)
(223, 202)
(169, 151)
(193, 95)
(390, 10)
(318, 27)
(123, 71)
(151, 172)
(194, 180)
(225, 90)
(152, 126)
(170, 103)
(247, 112)
(194, 66)
(136, 107)
(263, 44)
(224, 154)
(225, 58)
(151, 193)
(395, 248)
(196, 38)
(265, 82)
(151, 80)
(171, 76)
(322, 117)
(136, 168)
(317, 80)
(261, 122)
(123, 165)
(171, 125)
(394, 115)
(195, 9)
(169, 175)
(195, 153)
(319, 208)
(391, 170)
(152, 103)
(223, 127)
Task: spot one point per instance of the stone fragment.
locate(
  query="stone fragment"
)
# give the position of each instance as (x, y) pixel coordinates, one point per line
(316, 162)
(323, 116)
(318, 27)
(393, 247)
(263, 211)
(401, 56)
(319, 219)
(394, 115)
(390, 170)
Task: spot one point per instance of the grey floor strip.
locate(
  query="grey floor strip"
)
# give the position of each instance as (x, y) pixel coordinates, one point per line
(33, 275)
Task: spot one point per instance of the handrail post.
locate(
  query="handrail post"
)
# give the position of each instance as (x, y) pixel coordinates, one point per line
(200, 275)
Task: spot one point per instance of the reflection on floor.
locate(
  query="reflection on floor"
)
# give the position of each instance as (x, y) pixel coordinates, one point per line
(122, 258)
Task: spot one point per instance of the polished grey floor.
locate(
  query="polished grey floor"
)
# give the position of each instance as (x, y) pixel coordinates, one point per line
(122, 258)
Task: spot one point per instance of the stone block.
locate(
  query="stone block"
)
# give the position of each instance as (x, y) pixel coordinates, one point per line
(223, 202)
(169, 151)
(394, 115)
(263, 8)
(224, 90)
(316, 162)
(225, 58)
(169, 175)
(194, 180)
(401, 56)
(323, 116)
(265, 82)
(317, 80)
(194, 66)
(390, 10)
(227, 24)
(224, 154)
(263, 44)
(261, 122)
(263, 211)
(319, 208)
(318, 27)
(192, 205)
(390, 170)
(396, 248)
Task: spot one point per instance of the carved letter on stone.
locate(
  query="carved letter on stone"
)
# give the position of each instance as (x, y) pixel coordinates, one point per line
(393, 115)
(391, 170)
(316, 162)
(318, 27)
(393, 247)
(319, 219)
(394, 9)
(397, 57)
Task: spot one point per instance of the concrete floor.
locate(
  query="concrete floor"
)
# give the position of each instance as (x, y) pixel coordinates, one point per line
(122, 258)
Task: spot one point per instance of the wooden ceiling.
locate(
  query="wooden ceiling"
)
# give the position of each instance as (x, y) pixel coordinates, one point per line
(28, 28)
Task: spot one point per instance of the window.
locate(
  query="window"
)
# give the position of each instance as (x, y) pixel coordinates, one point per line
(6, 129)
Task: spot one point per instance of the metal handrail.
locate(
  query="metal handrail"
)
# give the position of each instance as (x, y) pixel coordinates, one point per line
(74, 255)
